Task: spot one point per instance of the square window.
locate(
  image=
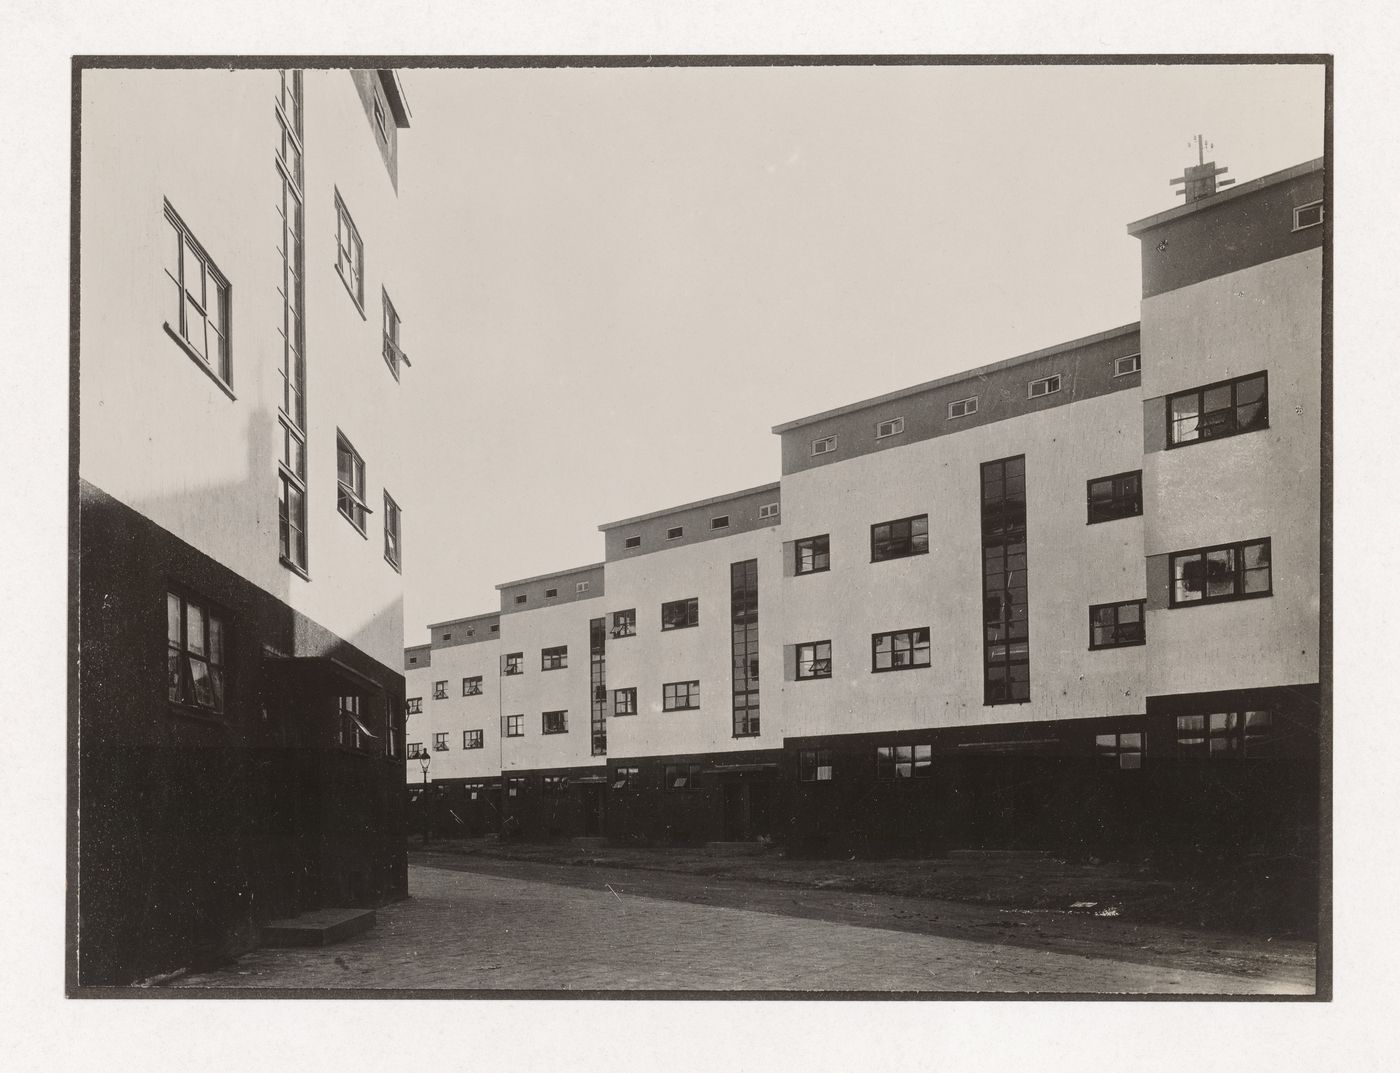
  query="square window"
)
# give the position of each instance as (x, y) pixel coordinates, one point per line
(471, 687)
(1122, 752)
(624, 623)
(440, 690)
(513, 663)
(414, 705)
(625, 701)
(1117, 625)
(680, 614)
(554, 723)
(196, 643)
(198, 313)
(472, 739)
(440, 742)
(1119, 496)
(680, 696)
(812, 555)
(899, 539)
(962, 407)
(581, 588)
(627, 778)
(514, 726)
(814, 765)
(892, 427)
(814, 660)
(1218, 411)
(554, 659)
(901, 650)
(1220, 573)
(680, 776)
(350, 483)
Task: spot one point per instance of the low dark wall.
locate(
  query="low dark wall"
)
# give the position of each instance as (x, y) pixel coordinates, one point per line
(193, 829)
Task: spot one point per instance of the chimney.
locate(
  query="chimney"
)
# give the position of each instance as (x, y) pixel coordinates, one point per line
(1199, 179)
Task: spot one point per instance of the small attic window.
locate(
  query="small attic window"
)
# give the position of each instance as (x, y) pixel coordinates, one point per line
(1309, 215)
(412, 659)
(521, 598)
(675, 532)
(632, 542)
(495, 627)
(447, 636)
(550, 594)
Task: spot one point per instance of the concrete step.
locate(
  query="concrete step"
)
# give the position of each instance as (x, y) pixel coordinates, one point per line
(320, 927)
(999, 854)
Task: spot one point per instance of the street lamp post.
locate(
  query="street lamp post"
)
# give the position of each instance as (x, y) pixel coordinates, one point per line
(424, 759)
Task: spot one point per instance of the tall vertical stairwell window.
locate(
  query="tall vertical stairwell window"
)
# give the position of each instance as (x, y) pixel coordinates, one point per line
(1005, 627)
(743, 611)
(291, 409)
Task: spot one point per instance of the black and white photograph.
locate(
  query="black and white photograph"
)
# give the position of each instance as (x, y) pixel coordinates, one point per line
(700, 526)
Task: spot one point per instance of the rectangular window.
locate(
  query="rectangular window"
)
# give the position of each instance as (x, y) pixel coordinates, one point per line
(899, 539)
(824, 446)
(554, 659)
(471, 687)
(962, 407)
(440, 690)
(1120, 751)
(681, 776)
(554, 784)
(521, 598)
(632, 542)
(675, 532)
(291, 498)
(413, 750)
(598, 686)
(1127, 365)
(291, 465)
(1217, 411)
(1005, 588)
(768, 510)
(554, 722)
(516, 785)
(680, 696)
(624, 623)
(721, 522)
(814, 765)
(743, 637)
(627, 778)
(812, 555)
(581, 588)
(415, 705)
(550, 594)
(350, 483)
(198, 314)
(893, 427)
(1117, 625)
(195, 659)
(392, 539)
(440, 742)
(1046, 385)
(513, 663)
(1119, 496)
(625, 701)
(904, 761)
(1309, 215)
(901, 650)
(352, 732)
(1227, 735)
(1224, 572)
(515, 726)
(814, 660)
(393, 353)
(472, 739)
(680, 614)
(349, 254)
(379, 118)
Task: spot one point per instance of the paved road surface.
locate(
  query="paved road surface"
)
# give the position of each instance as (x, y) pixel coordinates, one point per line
(466, 930)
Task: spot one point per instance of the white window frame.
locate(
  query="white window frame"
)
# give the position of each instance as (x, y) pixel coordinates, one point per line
(631, 543)
(215, 312)
(675, 532)
(349, 254)
(350, 496)
(1302, 209)
(1118, 369)
(1053, 378)
(719, 521)
(893, 427)
(769, 510)
(581, 587)
(824, 446)
(966, 411)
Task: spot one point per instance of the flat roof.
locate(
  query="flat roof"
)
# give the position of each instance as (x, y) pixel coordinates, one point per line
(546, 577)
(465, 618)
(1228, 194)
(968, 374)
(712, 501)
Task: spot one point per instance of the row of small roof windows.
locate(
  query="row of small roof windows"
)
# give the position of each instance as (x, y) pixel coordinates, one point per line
(719, 521)
(553, 594)
(1035, 389)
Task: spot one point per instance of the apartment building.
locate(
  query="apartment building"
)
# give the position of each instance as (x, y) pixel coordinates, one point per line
(239, 546)
(1067, 599)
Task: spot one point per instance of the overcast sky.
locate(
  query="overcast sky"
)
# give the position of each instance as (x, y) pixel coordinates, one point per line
(621, 279)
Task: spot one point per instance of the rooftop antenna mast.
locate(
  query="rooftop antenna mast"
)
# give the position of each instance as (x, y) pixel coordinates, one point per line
(1199, 180)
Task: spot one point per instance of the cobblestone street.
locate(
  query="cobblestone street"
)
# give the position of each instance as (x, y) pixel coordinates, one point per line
(473, 930)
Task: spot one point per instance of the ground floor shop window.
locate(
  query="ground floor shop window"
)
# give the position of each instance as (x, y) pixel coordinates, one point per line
(903, 761)
(1226, 735)
(1121, 751)
(814, 765)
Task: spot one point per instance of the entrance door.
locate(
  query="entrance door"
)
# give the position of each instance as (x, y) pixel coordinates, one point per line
(592, 810)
